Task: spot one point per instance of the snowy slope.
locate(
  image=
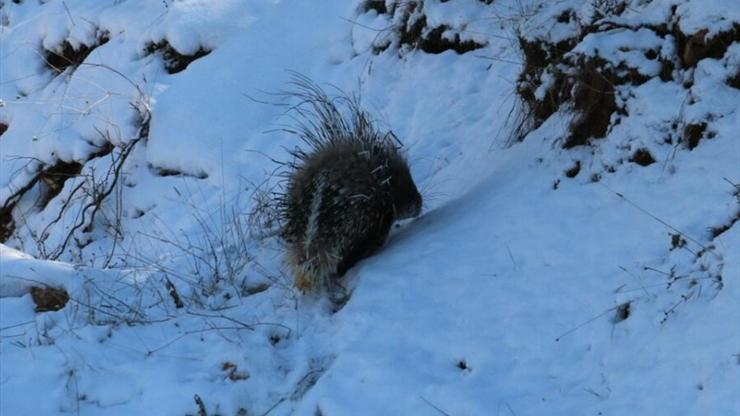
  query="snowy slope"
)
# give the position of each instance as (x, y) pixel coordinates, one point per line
(540, 279)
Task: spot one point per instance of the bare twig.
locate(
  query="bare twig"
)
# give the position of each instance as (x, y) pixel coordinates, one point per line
(656, 218)
(201, 406)
(433, 406)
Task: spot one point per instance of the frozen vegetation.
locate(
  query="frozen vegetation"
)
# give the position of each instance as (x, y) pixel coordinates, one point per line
(578, 252)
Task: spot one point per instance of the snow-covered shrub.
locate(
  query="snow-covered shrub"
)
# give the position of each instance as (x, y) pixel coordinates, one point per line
(584, 84)
(72, 227)
(579, 69)
(694, 47)
(582, 60)
(409, 27)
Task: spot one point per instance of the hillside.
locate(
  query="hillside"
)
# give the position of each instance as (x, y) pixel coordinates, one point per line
(578, 251)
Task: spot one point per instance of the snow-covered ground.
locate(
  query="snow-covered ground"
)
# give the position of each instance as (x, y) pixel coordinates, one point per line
(597, 279)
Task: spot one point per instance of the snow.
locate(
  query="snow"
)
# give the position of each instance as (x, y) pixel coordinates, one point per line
(716, 15)
(620, 45)
(506, 296)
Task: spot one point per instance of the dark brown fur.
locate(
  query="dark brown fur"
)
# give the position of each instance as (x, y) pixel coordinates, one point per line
(344, 194)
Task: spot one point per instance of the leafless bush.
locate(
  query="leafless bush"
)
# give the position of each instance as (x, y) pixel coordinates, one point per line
(97, 190)
(214, 257)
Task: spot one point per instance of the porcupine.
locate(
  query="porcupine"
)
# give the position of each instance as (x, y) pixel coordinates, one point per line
(344, 192)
